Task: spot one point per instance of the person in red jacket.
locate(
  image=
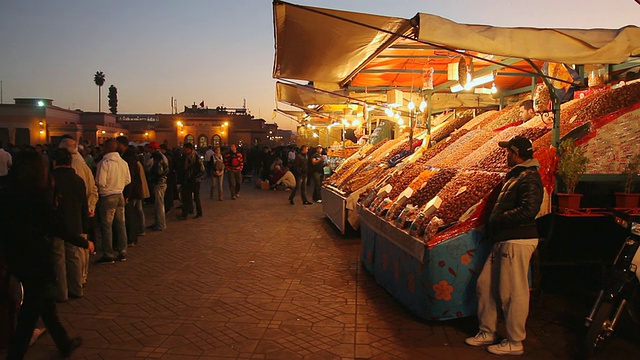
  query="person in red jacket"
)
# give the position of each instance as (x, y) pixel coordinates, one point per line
(233, 163)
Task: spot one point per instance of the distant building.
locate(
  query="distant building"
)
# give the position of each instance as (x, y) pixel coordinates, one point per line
(32, 121)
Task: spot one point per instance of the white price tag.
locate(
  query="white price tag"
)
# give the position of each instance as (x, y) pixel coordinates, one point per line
(386, 189)
(406, 193)
(461, 190)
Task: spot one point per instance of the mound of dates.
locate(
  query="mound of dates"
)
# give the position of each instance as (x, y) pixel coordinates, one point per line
(450, 126)
(432, 186)
(461, 148)
(483, 118)
(606, 102)
(496, 159)
(464, 191)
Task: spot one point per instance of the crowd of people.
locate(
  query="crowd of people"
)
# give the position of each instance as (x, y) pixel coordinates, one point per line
(63, 203)
(301, 167)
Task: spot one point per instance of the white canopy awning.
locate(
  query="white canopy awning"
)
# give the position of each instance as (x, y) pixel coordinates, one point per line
(327, 45)
(570, 46)
(333, 46)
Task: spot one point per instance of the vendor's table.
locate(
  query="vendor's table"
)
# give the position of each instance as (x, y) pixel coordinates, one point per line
(436, 283)
(334, 206)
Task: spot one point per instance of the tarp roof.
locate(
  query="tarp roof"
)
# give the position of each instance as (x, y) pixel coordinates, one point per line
(570, 46)
(367, 51)
(328, 45)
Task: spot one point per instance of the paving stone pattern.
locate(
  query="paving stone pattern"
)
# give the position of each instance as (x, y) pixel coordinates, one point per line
(257, 278)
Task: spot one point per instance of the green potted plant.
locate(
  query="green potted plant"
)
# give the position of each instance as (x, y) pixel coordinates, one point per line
(629, 199)
(572, 164)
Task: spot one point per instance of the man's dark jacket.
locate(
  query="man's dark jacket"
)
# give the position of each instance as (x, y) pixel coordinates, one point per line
(513, 216)
(72, 208)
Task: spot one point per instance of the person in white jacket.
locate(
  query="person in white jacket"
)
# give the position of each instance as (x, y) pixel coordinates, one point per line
(112, 176)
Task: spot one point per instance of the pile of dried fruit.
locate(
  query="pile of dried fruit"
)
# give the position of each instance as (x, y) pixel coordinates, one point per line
(464, 191)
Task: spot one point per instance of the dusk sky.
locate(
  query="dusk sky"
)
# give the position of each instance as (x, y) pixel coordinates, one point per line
(218, 51)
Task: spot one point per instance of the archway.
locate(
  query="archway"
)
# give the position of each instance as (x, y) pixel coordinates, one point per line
(216, 140)
(203, 141)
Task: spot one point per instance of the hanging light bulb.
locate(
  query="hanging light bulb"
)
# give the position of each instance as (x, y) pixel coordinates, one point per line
(400, 121)
(423, 105)
(468, 85)
(388, 112)
(411, 105)
(494, 89)
(355, 122)
(397, 116)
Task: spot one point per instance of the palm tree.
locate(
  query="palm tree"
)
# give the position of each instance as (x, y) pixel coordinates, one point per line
(98, 78)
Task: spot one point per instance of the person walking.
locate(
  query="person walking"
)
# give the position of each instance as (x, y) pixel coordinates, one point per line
(112, 175)
(300, 171)
(157, 168)
(317, 172)
(28, 222)
(193, 171)
(218, 172)
(72, 209)
(512, 228)
(234, 162)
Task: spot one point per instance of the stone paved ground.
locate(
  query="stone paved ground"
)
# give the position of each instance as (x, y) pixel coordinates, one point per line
(257, 278)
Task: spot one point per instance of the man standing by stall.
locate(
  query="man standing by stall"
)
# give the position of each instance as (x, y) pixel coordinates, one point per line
(527, 112)
(512, 228)
(317, 171)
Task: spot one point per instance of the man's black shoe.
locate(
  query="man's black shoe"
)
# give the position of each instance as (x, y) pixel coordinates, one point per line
(71, 347)
(105, 260)
(121, 257)
(307, 203)
(197, 216)
(291, 201)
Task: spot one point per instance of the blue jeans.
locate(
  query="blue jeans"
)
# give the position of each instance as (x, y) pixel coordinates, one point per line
(111, 214)
(301, 183)
(158, 192)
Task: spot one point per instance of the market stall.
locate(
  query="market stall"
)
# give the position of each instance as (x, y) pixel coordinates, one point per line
(423, 220)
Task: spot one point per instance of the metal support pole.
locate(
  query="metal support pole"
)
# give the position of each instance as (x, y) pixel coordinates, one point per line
(428, 119)
(411, 114)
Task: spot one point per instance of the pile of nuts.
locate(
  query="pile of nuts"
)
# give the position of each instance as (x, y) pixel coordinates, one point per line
(486, 116)
(508, 116)
(460, 149)
(606, 102)
(496, 159)
(451, 125)
(432, 186)
(363, 178)
(402, 178)
(485, 150)
(464, 191)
